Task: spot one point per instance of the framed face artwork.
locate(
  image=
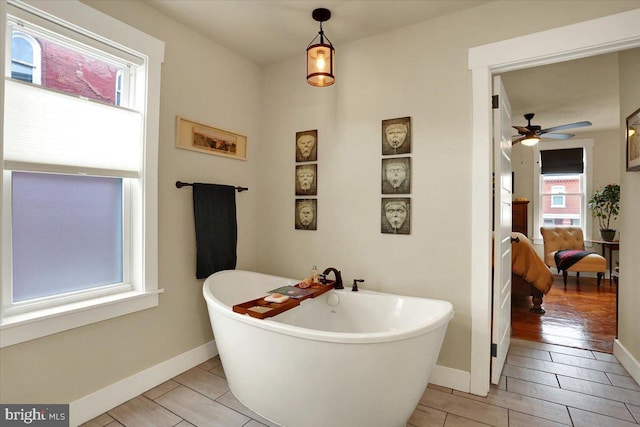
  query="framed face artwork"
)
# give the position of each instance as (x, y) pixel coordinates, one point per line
(396, 175)
(396, 215)
(396, 136)
(307, 180)
(307, 146)
(306, 217)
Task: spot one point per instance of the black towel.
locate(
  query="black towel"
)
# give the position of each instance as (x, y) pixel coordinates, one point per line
(214, 209)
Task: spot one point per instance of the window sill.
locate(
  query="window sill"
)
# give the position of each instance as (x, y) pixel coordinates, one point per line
(36, 324)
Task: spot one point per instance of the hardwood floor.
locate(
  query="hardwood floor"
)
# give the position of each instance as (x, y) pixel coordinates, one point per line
(580, 316)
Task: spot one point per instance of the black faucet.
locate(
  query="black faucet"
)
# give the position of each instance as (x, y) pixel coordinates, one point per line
(355, 284)
(338, 275)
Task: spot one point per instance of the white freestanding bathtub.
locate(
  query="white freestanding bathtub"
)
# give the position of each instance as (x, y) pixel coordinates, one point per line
(342, 359)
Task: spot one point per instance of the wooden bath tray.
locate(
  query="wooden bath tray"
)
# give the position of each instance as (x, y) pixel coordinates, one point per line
(261, 309)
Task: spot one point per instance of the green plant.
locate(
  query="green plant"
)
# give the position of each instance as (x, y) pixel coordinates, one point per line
(605, 204)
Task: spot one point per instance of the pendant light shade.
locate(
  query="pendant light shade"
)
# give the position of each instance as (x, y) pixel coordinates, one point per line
(321, 55)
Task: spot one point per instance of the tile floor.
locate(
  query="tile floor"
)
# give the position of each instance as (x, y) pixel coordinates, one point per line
(542, 385)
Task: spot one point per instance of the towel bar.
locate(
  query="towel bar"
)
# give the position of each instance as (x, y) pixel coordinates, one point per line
(180, 184)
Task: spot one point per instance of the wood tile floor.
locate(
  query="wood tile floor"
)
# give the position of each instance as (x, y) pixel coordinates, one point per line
(542, 385)
(582, 315)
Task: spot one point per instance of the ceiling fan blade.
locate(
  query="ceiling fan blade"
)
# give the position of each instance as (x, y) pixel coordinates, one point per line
(557, 135)
(568, 126)
(523, 130)
(515, 141)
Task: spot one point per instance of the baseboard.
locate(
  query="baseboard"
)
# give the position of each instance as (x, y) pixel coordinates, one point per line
(627, 360)
(99, 402)
(451, 378)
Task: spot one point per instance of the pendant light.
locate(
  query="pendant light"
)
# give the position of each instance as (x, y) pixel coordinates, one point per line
(321, 55)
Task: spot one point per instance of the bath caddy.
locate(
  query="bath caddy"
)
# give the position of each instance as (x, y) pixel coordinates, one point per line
(261, 309)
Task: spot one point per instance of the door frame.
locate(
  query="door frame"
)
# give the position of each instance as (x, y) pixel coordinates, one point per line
(589, 38)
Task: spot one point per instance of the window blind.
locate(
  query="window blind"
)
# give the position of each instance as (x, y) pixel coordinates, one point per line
(44, 127)
(558, 162)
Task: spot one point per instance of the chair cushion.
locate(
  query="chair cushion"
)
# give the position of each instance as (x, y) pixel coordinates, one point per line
(591, 263)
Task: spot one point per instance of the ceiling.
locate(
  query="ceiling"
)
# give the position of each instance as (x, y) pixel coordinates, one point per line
(567, 92)
(268, 31)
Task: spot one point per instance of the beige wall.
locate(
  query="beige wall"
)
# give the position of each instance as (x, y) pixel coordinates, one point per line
(420, 71)
(206, 83)
(629, 323)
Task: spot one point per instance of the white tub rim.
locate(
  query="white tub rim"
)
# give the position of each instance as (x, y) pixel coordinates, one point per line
(272, 324)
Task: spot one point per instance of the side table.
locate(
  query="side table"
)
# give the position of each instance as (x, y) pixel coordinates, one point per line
(612, 246)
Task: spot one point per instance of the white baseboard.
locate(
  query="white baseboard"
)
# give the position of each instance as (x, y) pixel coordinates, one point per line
(627, 360)
(99, 402)
(451, 378)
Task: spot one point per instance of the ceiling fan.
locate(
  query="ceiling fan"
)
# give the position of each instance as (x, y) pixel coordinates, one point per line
(531, 134)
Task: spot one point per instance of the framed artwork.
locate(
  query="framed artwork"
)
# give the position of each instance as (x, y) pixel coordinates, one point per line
(633, 141)
(307, 146)
(306, 214)
(396, 136)
(396, 215)
(307, 180)
(191, 135)
(396, 175)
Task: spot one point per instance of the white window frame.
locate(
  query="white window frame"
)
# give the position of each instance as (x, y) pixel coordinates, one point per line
(118, 98)
(142, 199)
(587, 145)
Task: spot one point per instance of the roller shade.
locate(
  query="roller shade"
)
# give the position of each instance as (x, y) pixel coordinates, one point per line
(44, 127)
(560, 162)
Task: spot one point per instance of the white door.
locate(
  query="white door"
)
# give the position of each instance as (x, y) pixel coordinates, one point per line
(501, 331)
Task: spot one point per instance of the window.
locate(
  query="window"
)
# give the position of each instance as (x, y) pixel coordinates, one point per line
(25, 57)
(561, 185)
(73, 226)
(79, 170)
(562, 199)
(119, 88)
(557, 197)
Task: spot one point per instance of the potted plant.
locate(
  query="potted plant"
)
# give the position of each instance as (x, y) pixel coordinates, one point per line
(605, 205)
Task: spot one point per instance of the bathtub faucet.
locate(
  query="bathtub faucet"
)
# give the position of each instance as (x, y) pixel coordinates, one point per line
(338, 284)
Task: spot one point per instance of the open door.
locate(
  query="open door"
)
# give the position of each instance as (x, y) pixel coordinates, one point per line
(501, 312)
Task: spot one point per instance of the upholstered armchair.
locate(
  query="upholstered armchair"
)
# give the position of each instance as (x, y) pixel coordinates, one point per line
(563, 238)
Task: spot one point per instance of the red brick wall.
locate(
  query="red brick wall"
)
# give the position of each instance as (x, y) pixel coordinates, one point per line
(572, 203)
(72, 72)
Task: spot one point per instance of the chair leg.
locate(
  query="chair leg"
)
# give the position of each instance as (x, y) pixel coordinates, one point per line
(564, 277)
(599, 275)
(578, 277)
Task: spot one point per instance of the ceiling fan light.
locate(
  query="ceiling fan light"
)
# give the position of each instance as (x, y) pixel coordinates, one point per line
(530, 140)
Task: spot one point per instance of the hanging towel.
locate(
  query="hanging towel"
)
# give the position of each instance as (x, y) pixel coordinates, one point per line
(214, 209)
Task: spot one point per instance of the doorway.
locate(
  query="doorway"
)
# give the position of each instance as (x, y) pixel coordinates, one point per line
(603, 35)
(580, 315)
